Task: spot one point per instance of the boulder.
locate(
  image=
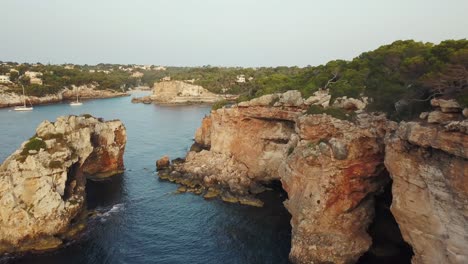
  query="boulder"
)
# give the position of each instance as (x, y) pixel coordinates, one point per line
(291, 98)
(320, 97)
(350, 103)
(439, 117)
(447, 106)
(163, 163)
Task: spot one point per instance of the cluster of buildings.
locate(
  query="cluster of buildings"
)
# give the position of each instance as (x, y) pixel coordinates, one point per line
(34, 77)
(142, 67)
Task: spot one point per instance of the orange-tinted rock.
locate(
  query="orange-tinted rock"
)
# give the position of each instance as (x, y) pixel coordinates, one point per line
(429, 168)
(163, 163)
(329, 167)
(330, 199)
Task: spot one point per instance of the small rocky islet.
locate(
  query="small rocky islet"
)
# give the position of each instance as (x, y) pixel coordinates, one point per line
(42, 193)
(333, 168)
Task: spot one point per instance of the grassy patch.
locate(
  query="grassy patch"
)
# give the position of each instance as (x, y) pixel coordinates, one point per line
(334, 112)
(53, 136)
(219, 104)
(33, 144)
(55, 164)
(86, 115)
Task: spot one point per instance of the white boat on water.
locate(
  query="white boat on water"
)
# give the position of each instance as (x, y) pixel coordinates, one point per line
(77, 102)
(24, 107)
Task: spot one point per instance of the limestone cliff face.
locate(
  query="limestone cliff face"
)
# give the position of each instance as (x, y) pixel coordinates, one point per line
(329, 167)
(331, 177)
(178, 92)
(42, 184)
(428, 162)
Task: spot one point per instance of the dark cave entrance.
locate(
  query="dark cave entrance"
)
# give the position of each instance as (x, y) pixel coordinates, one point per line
(388, 246)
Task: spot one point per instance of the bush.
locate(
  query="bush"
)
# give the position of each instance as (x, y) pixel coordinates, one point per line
(33, 144)
(219, 104)
(334, 112)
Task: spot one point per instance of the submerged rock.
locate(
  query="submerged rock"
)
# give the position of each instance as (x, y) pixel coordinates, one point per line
(42, 184)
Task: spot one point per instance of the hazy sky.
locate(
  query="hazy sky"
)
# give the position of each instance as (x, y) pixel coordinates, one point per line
(218, 32)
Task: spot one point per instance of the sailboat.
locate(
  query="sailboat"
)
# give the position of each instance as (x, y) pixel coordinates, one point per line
(24, 107)
(77, 102)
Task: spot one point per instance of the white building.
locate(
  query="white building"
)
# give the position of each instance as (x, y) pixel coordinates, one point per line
(35, 81)
(5, 79)
(137, 74)
(240, 78)
(32, 74)
(159, 68)
(166, 79)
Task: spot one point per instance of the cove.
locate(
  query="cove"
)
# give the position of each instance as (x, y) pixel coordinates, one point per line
(139, 219)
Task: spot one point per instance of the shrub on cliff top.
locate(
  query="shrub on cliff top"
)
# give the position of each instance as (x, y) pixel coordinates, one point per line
(33, 144)
(219, 104)
(334, 112)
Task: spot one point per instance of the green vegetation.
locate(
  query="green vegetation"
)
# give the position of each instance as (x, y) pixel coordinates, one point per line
(400, 78)
(86, 115)
(35, 144)
(335, 112)
(55, 164)
(219, 104)
(290, 150)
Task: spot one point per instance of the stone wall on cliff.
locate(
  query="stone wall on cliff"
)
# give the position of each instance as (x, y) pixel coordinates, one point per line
(428, 161)
(42, 184)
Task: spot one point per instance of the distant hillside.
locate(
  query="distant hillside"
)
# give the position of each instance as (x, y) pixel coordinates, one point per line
(400, 77)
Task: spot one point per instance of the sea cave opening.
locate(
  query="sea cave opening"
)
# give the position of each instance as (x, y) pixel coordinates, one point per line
(388, 246)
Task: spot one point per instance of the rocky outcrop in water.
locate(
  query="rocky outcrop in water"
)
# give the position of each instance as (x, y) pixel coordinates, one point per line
(42, 184)
(428, 161)
(330, 168)
(178, 92)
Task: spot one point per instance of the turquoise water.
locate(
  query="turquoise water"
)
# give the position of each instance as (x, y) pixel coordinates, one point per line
(141, 220)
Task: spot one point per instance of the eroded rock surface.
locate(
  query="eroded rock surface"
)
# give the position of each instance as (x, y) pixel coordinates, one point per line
(429, 166)
(42, 184)
(178, 92)
(329, 167)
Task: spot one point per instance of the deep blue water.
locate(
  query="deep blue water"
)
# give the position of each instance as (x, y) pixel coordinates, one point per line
(141, 220)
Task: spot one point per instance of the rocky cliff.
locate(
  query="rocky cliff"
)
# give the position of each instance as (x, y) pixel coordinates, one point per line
(428, 161)
(178, 92)
(42, 184)
(330, 168)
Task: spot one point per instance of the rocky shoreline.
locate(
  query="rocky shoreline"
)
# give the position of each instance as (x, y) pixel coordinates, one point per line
(332, 169)
(180, 93)
(8, 99)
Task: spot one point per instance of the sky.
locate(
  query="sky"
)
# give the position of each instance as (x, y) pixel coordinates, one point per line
(247, 33)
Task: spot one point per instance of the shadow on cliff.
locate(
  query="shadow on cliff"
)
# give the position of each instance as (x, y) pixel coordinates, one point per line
(105, 192)
(388, 246)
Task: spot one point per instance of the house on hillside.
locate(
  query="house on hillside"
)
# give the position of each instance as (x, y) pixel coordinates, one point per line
(240, 78)
(4, 79)
(166, 79)
(137, 74)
